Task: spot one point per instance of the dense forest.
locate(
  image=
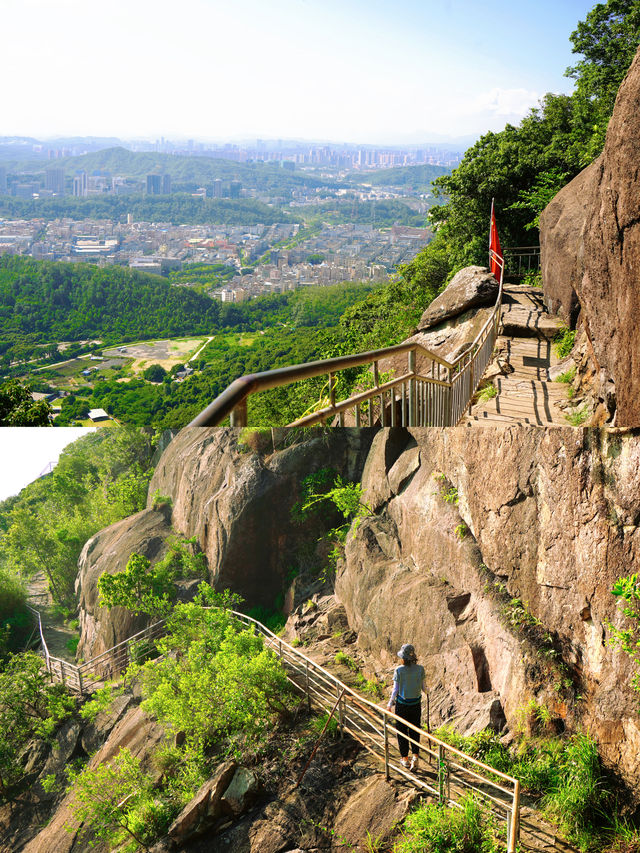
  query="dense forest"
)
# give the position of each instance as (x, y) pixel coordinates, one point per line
(416, 178)
(99, 479)
(178, 207)
(47, 302)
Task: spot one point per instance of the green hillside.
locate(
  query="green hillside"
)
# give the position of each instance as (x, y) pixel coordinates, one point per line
(187, 170)
(416, 178)
(42, 302)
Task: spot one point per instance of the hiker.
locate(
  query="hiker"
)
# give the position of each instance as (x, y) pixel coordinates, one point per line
(408, 684)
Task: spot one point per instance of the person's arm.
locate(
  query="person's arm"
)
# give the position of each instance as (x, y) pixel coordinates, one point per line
(394, 692)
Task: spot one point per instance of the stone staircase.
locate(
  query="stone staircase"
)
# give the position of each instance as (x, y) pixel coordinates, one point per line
(521, 366)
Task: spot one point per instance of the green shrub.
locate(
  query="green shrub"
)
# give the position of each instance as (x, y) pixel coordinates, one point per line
(568, 376)
(273, 619)
(564, 773)
(564, 341)
(627, 591)
(31, 708)
(15, 619)
(103, 800)
(216, 681)
(579, 801)
(488, 392)
(347, 661)
(72, 644)
(578, 416)
(99, 703)
(317, 724)
(433, 829)
(158, 500)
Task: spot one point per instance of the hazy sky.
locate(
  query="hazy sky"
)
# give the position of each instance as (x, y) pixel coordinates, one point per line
(341, 70)
(26, 451)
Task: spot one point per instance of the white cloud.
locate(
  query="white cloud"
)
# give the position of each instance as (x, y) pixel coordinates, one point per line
(506, 102)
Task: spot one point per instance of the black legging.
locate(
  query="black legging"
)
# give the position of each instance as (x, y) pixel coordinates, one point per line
(410, 713)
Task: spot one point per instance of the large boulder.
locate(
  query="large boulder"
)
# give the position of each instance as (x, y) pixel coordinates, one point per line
(109, 551)
(136, 732)
(591, 250)
(562, 245)
(238, 502)
(472, 287)
(206, 807)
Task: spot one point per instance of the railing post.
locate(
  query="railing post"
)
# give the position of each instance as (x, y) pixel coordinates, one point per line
(412, 388)
(386, 745)
(513, 831)
(238, 417)
(307, 685)
(441, 774)
(80, 685)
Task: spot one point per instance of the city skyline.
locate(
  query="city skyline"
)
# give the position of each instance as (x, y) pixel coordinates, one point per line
(295, 69)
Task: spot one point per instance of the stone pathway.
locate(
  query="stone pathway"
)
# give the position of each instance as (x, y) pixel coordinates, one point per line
(520, 370)
(56, 633)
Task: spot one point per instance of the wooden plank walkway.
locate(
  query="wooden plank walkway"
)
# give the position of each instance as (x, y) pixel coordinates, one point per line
(520, 369)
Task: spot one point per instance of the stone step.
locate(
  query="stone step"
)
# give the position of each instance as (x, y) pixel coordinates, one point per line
(519, 321)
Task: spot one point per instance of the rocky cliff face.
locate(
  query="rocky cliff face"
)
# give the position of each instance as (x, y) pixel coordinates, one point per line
(237, 502)
(466, 521)
(493, 550)
(590, 241)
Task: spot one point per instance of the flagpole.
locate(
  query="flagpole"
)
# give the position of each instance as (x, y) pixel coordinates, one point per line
(490, 225)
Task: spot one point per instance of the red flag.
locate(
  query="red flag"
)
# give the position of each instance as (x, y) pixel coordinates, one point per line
(494, 247)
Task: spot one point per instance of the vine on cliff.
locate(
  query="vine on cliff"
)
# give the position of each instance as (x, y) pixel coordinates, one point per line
(627, 590)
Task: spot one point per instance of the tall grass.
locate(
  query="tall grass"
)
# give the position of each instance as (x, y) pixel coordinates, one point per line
(433, 829)
(564, 774)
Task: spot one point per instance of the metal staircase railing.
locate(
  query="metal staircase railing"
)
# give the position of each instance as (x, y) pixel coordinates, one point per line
(448, 774)
(437, 394)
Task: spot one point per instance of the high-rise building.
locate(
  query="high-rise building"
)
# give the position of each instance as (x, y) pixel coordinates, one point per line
(3, 179)
(234, 189)
(154, 184)
(54, 180)
(217, 188)
(158, 184)
(80, 184)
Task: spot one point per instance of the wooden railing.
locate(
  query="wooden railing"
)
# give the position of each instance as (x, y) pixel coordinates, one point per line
(438, 395)
(447, 774)
(86, 676)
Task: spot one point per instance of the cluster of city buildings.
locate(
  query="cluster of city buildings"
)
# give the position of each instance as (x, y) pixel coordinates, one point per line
(259, 257)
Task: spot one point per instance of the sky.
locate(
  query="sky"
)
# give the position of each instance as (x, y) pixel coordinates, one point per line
(362, 71)
(25, 452)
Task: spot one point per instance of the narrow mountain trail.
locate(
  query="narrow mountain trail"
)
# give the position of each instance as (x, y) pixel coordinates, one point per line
(521, 365)
(536, 834)
(56, 633)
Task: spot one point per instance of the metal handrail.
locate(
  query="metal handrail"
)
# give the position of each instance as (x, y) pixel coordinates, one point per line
(368, 723)
(232, 401)
(325, 687)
